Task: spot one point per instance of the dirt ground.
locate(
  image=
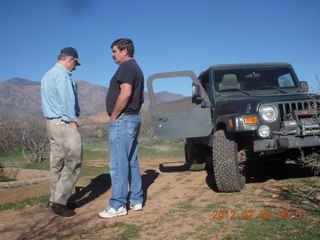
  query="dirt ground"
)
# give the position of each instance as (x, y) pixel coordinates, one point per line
(178, 204)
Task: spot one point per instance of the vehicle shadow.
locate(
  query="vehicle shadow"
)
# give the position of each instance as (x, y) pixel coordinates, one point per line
(210, 180)
(261, 172)
(255, 171)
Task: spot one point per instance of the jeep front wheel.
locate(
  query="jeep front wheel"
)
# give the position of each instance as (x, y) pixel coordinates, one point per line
(225, 164)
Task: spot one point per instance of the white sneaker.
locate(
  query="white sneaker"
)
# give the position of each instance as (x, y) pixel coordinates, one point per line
(136, 207)
(111, 212)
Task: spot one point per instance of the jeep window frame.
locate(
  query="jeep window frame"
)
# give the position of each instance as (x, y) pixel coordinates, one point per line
(243, 67)
(184, 118)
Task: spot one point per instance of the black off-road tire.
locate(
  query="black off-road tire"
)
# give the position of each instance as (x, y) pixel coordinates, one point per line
(193, 157)
(225, 164)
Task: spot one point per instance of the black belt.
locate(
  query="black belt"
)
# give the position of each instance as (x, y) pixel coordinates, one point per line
(130, 113)
(60, 120)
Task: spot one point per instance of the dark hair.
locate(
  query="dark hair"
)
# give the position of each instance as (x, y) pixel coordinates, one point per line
(124, 43)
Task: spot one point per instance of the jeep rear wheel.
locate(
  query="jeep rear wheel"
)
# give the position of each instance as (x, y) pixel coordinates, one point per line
(226, 166)
(193, 157)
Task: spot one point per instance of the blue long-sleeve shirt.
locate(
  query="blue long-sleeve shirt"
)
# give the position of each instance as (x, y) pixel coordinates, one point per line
(59, 95)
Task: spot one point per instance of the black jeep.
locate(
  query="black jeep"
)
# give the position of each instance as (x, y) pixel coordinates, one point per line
(237, 111)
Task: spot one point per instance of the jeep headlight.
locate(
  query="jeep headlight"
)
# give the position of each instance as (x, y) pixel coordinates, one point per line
(269, 113)
(264, 131)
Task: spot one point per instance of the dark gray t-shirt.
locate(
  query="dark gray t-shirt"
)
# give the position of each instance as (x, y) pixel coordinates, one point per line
(128, 72)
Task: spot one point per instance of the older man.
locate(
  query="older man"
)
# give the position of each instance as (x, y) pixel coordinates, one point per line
(60, 108)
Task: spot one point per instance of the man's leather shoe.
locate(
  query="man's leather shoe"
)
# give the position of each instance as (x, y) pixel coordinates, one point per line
(61, 210)
(72, 205)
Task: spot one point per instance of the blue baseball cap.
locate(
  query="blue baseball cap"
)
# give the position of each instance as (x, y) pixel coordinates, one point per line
(70, 51)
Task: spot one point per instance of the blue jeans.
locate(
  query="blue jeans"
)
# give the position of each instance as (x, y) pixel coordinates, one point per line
(124, 165)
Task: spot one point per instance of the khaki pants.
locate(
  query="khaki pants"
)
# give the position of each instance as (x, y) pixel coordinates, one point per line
(65, 159)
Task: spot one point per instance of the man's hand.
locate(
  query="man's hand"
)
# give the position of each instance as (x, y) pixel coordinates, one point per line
(113, 119)
(74, 125)
(122, 100)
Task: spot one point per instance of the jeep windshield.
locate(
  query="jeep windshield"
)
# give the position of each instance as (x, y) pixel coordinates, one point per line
(256, 78)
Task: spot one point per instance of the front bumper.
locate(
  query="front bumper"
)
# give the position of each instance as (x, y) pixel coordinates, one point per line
(285, 142)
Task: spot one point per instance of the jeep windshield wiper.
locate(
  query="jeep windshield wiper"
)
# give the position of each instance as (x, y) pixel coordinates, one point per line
(235, 89)
(272, 87)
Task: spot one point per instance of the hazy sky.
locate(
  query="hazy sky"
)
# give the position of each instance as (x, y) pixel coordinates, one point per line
(169, 35)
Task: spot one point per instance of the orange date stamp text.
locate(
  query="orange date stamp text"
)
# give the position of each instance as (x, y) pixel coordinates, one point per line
(260, 214)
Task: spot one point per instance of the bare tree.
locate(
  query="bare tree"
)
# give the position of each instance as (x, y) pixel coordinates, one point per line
(34, 140)
(7, 137)
(37, 148)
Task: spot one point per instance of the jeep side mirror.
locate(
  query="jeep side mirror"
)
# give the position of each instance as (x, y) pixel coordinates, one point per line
(304, 85)
(195, 91)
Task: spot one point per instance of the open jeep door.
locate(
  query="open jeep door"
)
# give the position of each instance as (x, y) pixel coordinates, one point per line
(185, 118)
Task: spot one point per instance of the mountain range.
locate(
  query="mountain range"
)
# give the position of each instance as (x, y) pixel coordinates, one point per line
(20, 98)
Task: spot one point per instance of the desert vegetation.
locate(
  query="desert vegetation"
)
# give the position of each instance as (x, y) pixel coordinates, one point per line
(30, 137)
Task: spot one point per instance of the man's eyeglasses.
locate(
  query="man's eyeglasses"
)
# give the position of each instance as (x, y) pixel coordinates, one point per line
(75, 61)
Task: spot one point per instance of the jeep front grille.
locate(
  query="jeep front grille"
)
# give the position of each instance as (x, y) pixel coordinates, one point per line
(287, 108)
